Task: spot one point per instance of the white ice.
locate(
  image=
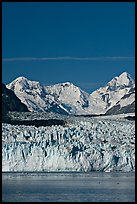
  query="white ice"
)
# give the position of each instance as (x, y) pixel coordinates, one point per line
(94, 144)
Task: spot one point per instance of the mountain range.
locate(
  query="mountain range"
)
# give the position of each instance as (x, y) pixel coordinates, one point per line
(117, 96)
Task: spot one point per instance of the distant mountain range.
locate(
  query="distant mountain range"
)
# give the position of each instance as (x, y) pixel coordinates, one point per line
(118, 96)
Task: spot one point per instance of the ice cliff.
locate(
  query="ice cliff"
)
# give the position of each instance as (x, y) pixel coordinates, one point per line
(94, 145)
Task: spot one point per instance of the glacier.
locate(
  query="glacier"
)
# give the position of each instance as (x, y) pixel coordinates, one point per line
(92, 144)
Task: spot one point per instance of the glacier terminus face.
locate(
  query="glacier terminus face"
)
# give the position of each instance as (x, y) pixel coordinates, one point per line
(93, 144)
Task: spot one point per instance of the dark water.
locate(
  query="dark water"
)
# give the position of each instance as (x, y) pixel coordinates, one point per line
(68, 187)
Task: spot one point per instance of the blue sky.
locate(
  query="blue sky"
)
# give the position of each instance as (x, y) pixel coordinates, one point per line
(84, 43)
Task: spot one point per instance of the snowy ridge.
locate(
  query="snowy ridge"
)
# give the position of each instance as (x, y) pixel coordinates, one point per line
(66, 98)
(73, 98)
(103, 99)
(34, 96)
(94, 145)
(125, 104)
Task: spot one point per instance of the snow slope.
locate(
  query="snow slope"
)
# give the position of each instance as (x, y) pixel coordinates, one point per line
(34, 96)
(67, 98)
(103, 99)
(125, 104)
(92, 145)
(73, 98)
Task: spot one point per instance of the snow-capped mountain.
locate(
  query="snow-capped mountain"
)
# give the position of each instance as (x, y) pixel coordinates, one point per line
(119, 90)
(63, 98)
(125, 105)
(72, 97)
(34, 96)
(66, 98)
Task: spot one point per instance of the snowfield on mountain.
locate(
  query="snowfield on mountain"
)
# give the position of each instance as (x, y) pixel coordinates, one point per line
(72, 97)
(66, 98)
(103, 99)
(33, 95)
(92, 144)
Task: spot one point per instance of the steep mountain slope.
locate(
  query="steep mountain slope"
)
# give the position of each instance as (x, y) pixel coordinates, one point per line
(10, 102)
(125, 105)
(118, 96)
(116, 91)
(72, 97)
(34, 96)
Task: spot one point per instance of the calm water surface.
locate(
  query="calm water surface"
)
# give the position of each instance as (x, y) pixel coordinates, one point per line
(68, 187)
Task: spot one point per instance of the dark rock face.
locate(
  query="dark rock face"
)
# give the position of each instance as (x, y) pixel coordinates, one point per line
(38, 123)
(10, 102)
(120, 110)
(128, 108)
(130, 117)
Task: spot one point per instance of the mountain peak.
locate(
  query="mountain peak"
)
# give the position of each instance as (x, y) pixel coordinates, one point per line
(123, 79)
(124, 74)
(70, 98)
(67, 84)
(21, 78)
(18, 83)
